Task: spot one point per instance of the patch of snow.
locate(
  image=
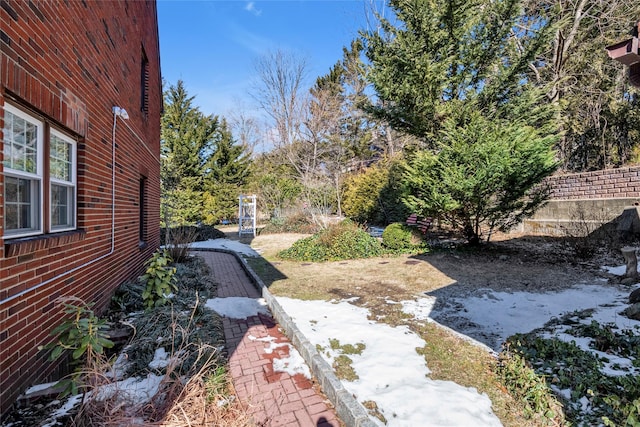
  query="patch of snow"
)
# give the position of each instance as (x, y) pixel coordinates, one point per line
(238, 307)
(498, 315)
(39, 387)
(391, 372)
(133, 390)
(420, 309)
(617, 270)
(120, 365)
(272, 343)
(63, 410)
(292, 365)
(230, 245)
(160, 359)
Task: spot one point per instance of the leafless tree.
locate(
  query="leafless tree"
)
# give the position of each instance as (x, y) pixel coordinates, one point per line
(246, 129)
(595, 104)
(280, 93)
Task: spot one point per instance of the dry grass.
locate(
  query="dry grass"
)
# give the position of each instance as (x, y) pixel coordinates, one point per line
(374, 281)
(176, 404)
(195, 388)
(196, 406)
(401, 276)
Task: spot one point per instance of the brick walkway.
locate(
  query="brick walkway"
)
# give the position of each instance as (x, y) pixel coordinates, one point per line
(274, 398)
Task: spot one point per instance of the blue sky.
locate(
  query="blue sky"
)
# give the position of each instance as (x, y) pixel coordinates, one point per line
(212, 45)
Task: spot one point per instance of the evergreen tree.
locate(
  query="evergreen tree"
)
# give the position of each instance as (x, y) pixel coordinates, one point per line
(484, 173)
(456, 75)
(445, 53)
(203, 169)
(226, 173)
(187, 140)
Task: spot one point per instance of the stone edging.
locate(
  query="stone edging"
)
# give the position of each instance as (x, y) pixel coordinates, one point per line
(347, 407)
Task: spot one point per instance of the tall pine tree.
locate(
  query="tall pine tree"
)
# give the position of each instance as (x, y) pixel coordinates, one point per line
(442, 54)
(187, 140)
(226, 173)
(203, 169)
(456, 75)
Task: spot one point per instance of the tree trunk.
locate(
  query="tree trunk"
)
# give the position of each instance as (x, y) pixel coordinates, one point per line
(631, 260)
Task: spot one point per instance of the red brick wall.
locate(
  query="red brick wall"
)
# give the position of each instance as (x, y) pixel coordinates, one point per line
(69, 63)
(604, 184)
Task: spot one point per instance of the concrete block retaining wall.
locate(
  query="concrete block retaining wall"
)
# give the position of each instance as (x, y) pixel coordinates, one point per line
(585, 200)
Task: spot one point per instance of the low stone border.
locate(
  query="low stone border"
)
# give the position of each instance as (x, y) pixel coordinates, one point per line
(347, 407)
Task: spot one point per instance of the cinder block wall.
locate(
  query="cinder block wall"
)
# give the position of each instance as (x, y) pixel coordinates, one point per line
(596, 197)
(68, 64)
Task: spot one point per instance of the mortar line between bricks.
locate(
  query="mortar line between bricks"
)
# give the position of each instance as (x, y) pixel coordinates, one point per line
(265, 391)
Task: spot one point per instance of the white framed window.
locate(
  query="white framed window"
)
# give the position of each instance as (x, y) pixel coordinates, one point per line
(62, 181)
(26, 139)
(23, 173)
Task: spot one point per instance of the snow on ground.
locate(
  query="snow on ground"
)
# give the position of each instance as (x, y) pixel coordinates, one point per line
(230, 245)
(390, 370)
(131, 391)
(238, 307)
(498, 315)
(63, 410)
(292, 365)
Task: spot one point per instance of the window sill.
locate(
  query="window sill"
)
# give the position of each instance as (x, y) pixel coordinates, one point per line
(27, 245)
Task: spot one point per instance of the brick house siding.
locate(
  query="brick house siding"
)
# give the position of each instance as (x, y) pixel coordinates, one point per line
(66, 64)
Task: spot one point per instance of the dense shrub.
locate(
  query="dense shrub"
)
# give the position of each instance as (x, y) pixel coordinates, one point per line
(374, 196)
(298, 223)
(201, 233)
(398, 236)
(339, 241)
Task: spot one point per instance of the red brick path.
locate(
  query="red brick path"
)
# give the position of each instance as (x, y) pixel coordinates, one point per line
(273, 398)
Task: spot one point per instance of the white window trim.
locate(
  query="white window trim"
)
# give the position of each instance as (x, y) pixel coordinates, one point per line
(41, 210)
(70, 184)
(38, 176)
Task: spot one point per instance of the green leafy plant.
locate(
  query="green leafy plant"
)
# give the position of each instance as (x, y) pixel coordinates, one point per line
(159, 280)
(345, 240)
(400, 237)
(523, 382)
(613, 399)
(83, 334)
(629, 412)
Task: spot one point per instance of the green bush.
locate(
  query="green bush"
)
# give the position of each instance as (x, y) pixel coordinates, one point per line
(339, 241)
(159, 280)
(297, 223)
(83, 333)
(374, 195)
(398, 237)
(202, 233)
